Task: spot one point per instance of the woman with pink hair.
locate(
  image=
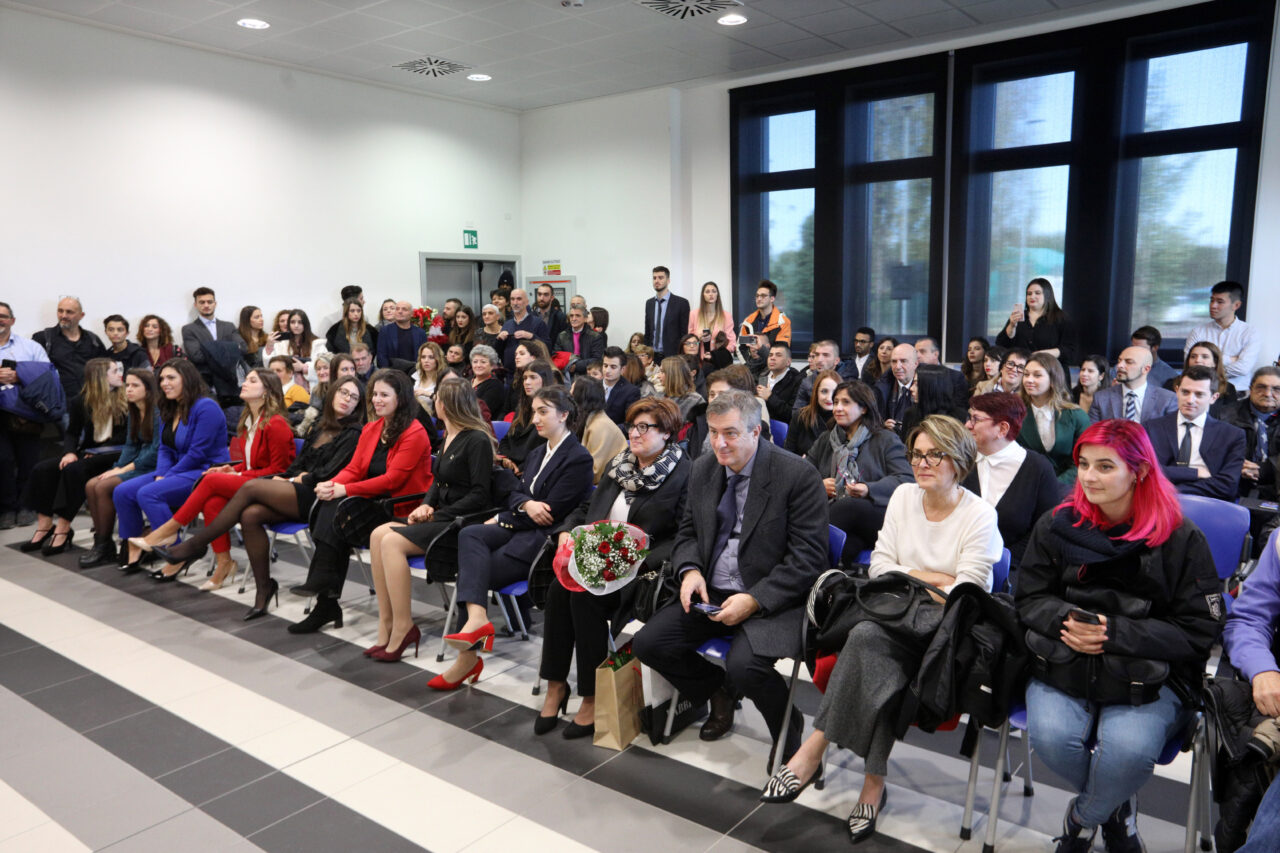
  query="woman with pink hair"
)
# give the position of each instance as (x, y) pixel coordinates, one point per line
(1121, 603)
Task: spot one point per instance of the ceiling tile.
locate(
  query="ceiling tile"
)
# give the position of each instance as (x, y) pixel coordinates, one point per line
(225, 37)
(938, 22)
(409, 12)
(476, 54)
(571, 30)
(284, 52)
(795, 8)
(806, 48)
(1004, 10)
(364, 27)
(896, 10)
(189, 10)
(321, 38)
(626, 16)
(752, 59)
(520, 66)
(69, 7)
(514, 44)
(769, 34)
(423, 42)
(139, 19)
(302, 11)
(468, 28)
(461, 6)
(836, 21)
(521, 14)
(867, 37)
(383, 54)
(341, 64)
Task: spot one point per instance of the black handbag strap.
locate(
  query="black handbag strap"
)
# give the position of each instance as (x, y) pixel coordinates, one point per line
(915, 584)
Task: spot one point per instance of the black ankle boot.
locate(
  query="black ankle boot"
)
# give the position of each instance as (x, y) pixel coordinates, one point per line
(102, 552)
(324, 611)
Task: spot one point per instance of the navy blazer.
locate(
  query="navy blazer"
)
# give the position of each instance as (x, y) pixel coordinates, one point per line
(1221, 447)
(675, 324)
(563, 485)
(620, 398)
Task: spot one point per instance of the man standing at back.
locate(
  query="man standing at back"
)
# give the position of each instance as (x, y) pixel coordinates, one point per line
(1232, 335)
(763, 328)
(1131, 396)
(69, 346)
(400, 342)
(750, 545)
(204, 330)
(666, 316)
(548, 313)
(524, 325)
(583, 345)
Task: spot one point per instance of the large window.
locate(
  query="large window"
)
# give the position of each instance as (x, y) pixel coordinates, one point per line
(1118, 161)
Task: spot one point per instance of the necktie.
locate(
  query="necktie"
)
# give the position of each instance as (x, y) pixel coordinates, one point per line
(1131, 406)
(1260, 451)
(657, 325)
(576, 348)
(1184, 449)
(726, 517)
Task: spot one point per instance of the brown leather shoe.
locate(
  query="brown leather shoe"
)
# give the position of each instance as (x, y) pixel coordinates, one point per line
(720, 720)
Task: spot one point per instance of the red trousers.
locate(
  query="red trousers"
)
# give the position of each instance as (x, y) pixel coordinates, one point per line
(211, 494)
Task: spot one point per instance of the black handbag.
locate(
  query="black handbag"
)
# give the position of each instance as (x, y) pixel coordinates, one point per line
(356, 518)
(893, 600)
(541, 574)
(1108, 679)
(653, 590)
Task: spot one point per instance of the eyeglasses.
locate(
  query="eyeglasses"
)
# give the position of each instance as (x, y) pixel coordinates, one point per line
(640, 428)
(350, 395)
(932, 459)
(1014, 367)
(977, 419)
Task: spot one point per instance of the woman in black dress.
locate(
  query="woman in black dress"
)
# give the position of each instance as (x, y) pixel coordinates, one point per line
(1040, 325)
(489, 388)
(464, 473)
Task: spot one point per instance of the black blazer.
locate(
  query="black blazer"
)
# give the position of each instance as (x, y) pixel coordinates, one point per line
(565, 484)
(338, 342)
(657, 513)
(782, 395)
(952, 381)
(1221, 447)
(324, 462)
(463, 477)
(1043, 335)
(493, 394)
(591, 345)
(675, 324)
(619, 399)
(1033, 491)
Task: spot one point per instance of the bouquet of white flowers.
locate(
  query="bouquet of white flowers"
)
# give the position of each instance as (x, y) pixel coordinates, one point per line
(606, 555)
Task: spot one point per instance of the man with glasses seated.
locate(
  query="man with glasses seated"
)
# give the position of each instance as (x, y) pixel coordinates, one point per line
(752, 541)
(1131, 396)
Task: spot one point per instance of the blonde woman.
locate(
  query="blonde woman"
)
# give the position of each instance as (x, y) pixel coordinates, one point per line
(426, 378)
(677, 385)
(710, 319)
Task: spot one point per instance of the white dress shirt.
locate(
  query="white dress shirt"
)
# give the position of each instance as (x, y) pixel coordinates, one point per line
(1239, 345)
(1045, 424)
(546, 457)
(212, 326)
(996, 472)
(1139, 393)
(1197, 434)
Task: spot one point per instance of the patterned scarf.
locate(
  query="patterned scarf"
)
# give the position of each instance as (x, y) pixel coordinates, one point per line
(626, 472)
(844, 454)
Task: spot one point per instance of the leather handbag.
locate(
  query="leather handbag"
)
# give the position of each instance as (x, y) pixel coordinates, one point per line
(1108, 679)
(653, 590)
(357, 518)
(893, 600)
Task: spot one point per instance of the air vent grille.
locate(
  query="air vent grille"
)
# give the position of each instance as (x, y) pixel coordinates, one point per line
(684, 9)
(433, 67)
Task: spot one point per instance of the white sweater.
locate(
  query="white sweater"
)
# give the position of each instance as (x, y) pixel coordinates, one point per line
(965, 544)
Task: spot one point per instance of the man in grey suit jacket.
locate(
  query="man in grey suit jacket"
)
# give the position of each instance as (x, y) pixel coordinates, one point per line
(1149, 400)
(204, 330)
(752, 542)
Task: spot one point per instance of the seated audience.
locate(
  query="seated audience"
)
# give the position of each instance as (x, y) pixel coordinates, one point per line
(430, 371)
(556, 479)
(156, 339)
(954, 385)
(279, 334)
(736, 377)
(119, 347)
(401, 340)
(651, 367)
(464, 475)
(323, 365)
(294, 394)
(351, 329)
(1053, 422)
(778, 382)
(1021, 486)
(1199, 454)
(908, 395)
(524, 325)
(619, 394)
(137, 458)
(602, 438)
(69, 346)
(1258, 415)
(878, 366)
(633, 372)
(491, 327)
(1237, 341)
(975, 358)
(501, 299)
(362, 357)
(1208, 355)
(488, 388)
(598, 320)
(334, 334)
(288, 496)
(1040, 325)
(386, 314)
(991, 370)
(757, 574)
(547, 309)
(1094, 375)
(523, 436)
(811, 423)
(646, 485)
(56, 486)
(193, 439)
(392, 458)
(526, 353)
(1133, 397)
(302, 347)
(864, 341)
(934, 530)
(582, 344)
(455, 358)
(861, 464)
(823, 355)
(264, 445)
(690, 351)
(1149, 338)
(462, 332)
(675, 382)
(1121, 603)
(636, 340)
(764, 327)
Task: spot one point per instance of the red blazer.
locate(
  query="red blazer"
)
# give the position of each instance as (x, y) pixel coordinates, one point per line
(408, 466)
(273, 450)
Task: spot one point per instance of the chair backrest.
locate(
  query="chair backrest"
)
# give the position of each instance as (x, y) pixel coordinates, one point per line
(1000, 572)
(835, 544)
(297, 445)
(1225, 525)
(500, 429)
(778, 431)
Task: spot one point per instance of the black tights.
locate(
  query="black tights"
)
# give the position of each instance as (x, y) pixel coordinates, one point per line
(102, 508)
(256, 504)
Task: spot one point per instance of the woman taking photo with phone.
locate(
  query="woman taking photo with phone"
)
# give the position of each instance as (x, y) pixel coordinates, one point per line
(710, 319)
(1040, 325)
(1122, 604)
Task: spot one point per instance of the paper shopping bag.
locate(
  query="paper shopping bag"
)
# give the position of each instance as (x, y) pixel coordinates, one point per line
(619, 698)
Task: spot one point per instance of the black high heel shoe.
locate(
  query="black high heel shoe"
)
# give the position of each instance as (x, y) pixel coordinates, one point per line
(48, 549)
(36, 544)
(573, 731)
(183, 564)
(324, 611)
(273, 591)
(542, 725)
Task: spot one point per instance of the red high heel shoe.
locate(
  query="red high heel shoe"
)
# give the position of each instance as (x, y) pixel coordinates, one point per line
(480, 639)
(440, 683)
(388, 655)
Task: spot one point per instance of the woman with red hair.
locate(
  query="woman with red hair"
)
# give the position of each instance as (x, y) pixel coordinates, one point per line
(1121, 602)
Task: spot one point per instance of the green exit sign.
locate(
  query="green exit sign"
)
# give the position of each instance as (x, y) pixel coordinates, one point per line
(470, 238)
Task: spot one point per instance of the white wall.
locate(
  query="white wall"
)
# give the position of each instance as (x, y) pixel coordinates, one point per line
(133, 171)
(1264, 293)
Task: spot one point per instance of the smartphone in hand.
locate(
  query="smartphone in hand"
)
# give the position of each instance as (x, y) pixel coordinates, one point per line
(1084, 616)
(708, 609)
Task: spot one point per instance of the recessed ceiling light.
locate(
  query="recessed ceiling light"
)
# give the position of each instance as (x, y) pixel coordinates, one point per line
(733, 19)
(479, 78)
(252, 23)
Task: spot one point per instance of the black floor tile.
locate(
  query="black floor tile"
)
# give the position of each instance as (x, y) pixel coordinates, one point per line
(214, 776)
(514, 730)
(681, 789)
(347, 663)
(329, 825)
(796, 829)
(12, 641)
(156, 741)
(37, 667)
(411, 690)
(262, 803)
(88, 702)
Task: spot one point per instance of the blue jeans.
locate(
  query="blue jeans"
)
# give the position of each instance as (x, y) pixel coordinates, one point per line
(1264, 835)
(1129, 740)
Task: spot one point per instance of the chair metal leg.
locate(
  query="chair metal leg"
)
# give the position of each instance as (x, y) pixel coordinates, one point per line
(364, 570)
(506, 617)
(993, 817)
(970, 794)
(448, 618)
(1028, 784)
(515, 608)
(671, 715)
(775, 752)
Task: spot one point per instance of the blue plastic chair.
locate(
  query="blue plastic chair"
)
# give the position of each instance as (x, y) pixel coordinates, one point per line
(1225, 525)
(500, 429)
(778, 429)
